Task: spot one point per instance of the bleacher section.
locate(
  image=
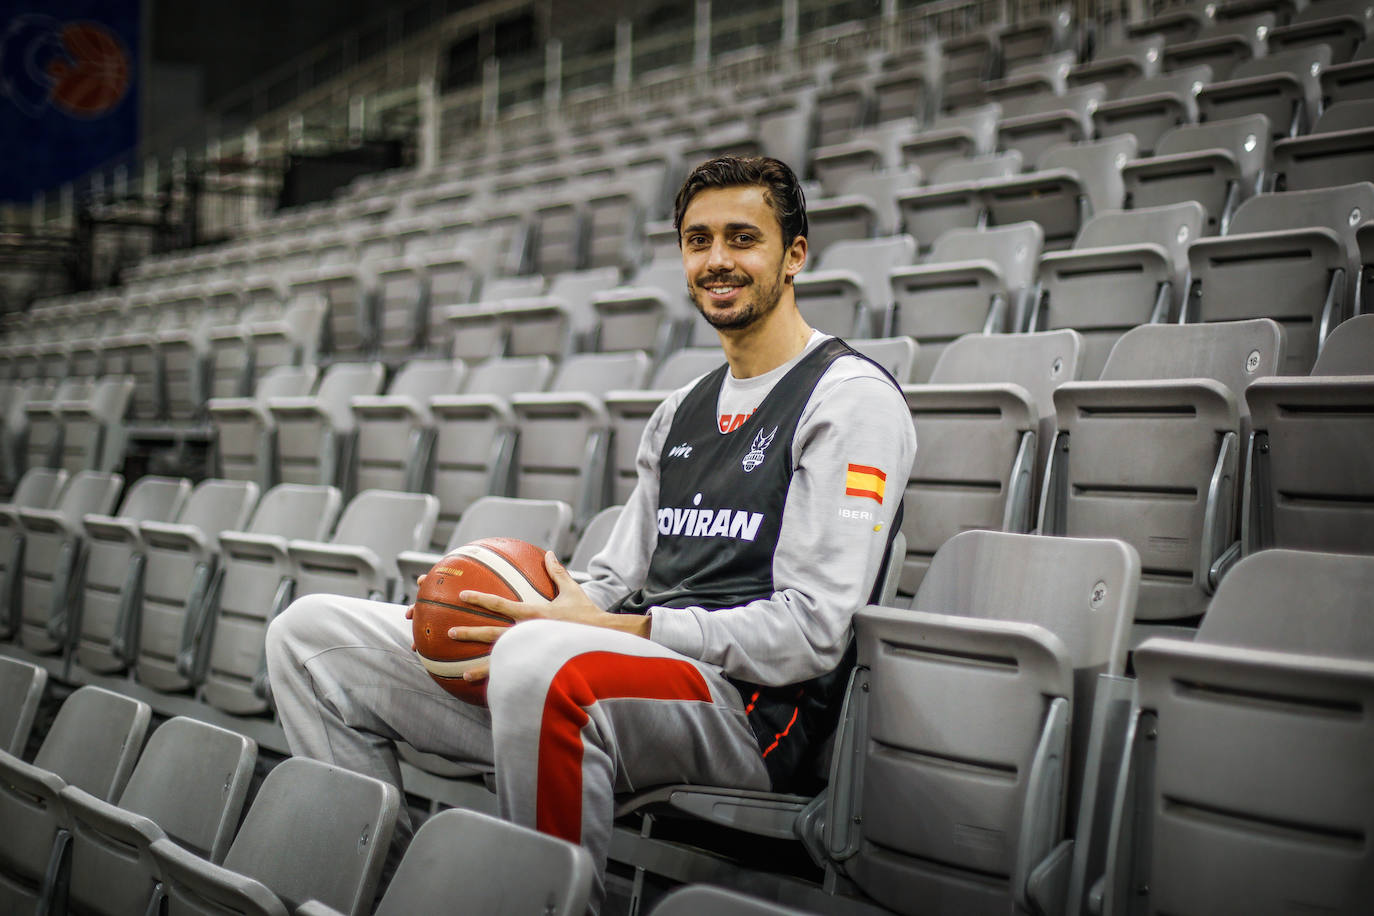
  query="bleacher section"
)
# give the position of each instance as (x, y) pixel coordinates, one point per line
(1123, 271)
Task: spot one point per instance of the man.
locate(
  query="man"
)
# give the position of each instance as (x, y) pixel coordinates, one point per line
(707, 647)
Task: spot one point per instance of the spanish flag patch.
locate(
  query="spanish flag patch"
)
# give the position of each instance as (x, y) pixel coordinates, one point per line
(861, 480)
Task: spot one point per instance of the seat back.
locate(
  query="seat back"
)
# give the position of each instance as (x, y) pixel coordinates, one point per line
(897, 355)
(93, 431)
(503, 376)
(244, 433)
(384, 522)
(1234, 353)
(598, 373)
(21, 690)
(395, 432)
(1349, 350)
(94, 741)
(316, 446)
(1218, 164)
(706, 898)
(542, 522)
(1150, 107)
(682, 366)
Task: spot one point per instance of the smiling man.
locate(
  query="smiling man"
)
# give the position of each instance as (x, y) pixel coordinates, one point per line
(711, 644)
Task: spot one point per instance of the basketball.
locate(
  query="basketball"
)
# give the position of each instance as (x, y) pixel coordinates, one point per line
(498, 566)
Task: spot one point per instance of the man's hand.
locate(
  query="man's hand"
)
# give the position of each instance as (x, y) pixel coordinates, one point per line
(570, 604)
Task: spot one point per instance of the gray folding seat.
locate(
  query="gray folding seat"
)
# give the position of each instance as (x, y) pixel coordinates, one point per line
(615, 228)
(52, 549)
(94, 432)
(168, 580)
(280, 859)
(974, 281)
(314, 434)
(481, 336)
(1035, 38)
(189, 786)
(593, 539)
(841, 111)
(960, 136)
(43, 421)
(132, 352)
(872, 150)
(1222, 45)
(848, 292)
(1340, 150)
(1049, 120)
(953, 199)
(943, 743)
(15, 431)
(1071, 182)
(1029, 81)
(906, 93)
(245, 431)
(1307, 483)
(395, 431)
(967, 61)
(1283, 86)
(544, 523)
(1349, 349)
(1336, 24)
(85, 346)
(1150, 107)
(653, 312)
(475, 434)
(1151, 454)
(1118, 65)
(21, 690)
(564, 434)
(1351, 80)
(453, 279)
(704, 898)
(867, 209)
(897, 355)
(92, 744)
(467, 855)
(1243, 785)
(1127, 267)
(402, 306)
(1291, 257)
(549, 325)
(558, 235)
(982, 424)
(349, 328)
(112, 566)
(291, 338)
(630, 411)
(255, 586)
(1218, 164)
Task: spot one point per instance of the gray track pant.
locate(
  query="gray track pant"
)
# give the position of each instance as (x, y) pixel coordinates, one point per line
(577, 714)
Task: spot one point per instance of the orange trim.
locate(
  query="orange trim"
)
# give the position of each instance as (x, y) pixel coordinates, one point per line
(783, 734)
(865, 469)
(871, 494)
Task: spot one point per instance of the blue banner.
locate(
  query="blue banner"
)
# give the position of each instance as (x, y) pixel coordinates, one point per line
(69, 74)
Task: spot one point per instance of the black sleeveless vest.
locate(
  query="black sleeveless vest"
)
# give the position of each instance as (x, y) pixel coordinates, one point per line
(721, 500)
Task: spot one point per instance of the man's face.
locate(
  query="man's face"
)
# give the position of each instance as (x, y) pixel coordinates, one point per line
(734, 258)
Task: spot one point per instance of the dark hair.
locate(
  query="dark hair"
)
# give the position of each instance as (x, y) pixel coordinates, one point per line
(781, 189)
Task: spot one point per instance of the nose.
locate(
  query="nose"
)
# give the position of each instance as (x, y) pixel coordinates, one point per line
(719, 259)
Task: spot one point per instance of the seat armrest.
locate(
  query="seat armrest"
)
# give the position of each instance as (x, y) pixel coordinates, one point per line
(111, 528)
(315, 908)
(414, 564)
(173, 536)
(109, 819)
(471, 405)
(237, 408)
(389, 407)
(228, 888)
(49, 520)
(579, 402)
(254, 546)
(362, 562)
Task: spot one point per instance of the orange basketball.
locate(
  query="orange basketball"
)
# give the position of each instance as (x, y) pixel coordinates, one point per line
(98, 75)
(498, 566)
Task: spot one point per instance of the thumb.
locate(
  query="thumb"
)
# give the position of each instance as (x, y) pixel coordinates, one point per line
(560, 575)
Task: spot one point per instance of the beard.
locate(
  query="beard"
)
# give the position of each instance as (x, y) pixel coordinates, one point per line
(756, 302)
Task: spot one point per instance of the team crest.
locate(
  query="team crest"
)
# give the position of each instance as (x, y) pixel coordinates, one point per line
(756, 450)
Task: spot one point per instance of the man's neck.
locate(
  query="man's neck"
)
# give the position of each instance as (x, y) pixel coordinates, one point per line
(765, 346)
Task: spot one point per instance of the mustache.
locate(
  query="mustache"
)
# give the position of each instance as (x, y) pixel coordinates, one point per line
(723, 279)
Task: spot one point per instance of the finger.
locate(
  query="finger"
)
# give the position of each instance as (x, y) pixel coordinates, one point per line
(410, 612)
(495, 603)
(477, 672)
(476, 634)
(420, 579)
(557, 571)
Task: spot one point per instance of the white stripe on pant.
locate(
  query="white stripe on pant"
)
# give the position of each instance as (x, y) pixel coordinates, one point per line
(347, 686)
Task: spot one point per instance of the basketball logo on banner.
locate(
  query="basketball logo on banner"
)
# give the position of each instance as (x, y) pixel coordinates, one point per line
(78, 68)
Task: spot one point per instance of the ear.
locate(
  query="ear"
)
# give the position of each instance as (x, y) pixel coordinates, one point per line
(796, 257)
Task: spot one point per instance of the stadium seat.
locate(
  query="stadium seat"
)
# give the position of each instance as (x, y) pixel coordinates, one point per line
(1150, 107)
(1118, 65)
(1336, 24)
(706, 898)
(14, 435)
(53, 544)
(1252, 725)
(1349, 350)
(92, 744)
(1151, 454)
(1046, 121)
(269, 336)
(256, 585)
(1282, 86)
(21, 690)
(966, 62)
(866, 209)
(1222, 45)
(983, 423)
(1218, 164)
(1037, 37)
(395, 431)
(896, 355)
(132, 351)
(594, 537)
(953, 199)
(848, 292)
(43, 421)
(279, 859)
(245, 432)
(975, 281)
(402, 306)
(1055, 613)
(1291, 257)
(94, 432)
(1029, 80)
(841, 111)
(189, 785)
(653, 312)
(1126, 268)
(969, 133)
(495, 867)
(1340, 150)
(315, 434)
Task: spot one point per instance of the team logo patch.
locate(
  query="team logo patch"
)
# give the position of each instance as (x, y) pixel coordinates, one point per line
(757, 449)
(864, 481)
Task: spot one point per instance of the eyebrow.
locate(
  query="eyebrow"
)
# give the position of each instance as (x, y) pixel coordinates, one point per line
(729, 227)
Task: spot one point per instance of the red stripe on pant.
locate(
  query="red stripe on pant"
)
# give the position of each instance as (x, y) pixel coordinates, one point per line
(582, 681)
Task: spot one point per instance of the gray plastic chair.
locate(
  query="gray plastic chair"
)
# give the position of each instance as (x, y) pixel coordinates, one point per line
(256, 586)
(53, 544)
(1222, 45)
(953, 200)
(652, 312)
(493, 866)
(1150, 107)
(189, 785)
(314, 832)
(895, 354)
(1047, 121)
(972, 132)
(848, 292)
(1349, 350)
(402, 303)
(315, 435)
(1054, 613)
(92, 744)
(1291, 257)
(245, 432)
(1268, 691)
(1218, 164)
(1282, 86)
(975, 282)
(1127, 267)
(1151, 454)
(395, 431)
(1338, 24)
(983, 424)
(39, 488)
(1340, 150)
(703, 898)
(21, 690)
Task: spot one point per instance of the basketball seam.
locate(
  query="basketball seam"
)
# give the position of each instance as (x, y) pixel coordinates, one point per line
(488, 615)
(511, 574)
